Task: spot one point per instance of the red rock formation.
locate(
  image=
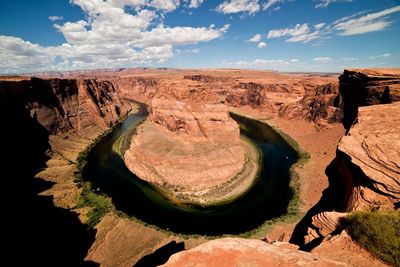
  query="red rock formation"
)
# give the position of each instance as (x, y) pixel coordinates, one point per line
(141, 89)
(366, 171)
(364, 87)
(322, 105)
(368, 159)
(61, 105)
(201, 78)
(246, 252)
(190, 144)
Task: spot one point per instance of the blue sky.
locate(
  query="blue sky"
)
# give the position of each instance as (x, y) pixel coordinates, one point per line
(285, 35)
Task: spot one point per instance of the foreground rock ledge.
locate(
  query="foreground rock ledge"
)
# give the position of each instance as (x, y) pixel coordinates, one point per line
(191, 148)
(372, 146)
(246, 252)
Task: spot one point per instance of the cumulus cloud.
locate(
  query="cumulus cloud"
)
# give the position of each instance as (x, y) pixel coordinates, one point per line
(239, 6)
(108, 36)
(55, 18)
(351, 25)
(256, 38)
(261, 45)
(326, 3)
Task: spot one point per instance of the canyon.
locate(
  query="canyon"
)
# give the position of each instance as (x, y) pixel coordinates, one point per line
(50, 120)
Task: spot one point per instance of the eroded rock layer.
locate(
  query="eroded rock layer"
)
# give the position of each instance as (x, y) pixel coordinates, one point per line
(190, 144)
(369, 158)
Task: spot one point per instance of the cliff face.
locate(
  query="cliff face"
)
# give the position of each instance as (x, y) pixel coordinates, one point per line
(366, 171)
(365, 87)
(61, 105)
(141, 89)
(322, 105)
(368, 159)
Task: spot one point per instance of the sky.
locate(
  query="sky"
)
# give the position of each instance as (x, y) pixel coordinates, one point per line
(284, 35)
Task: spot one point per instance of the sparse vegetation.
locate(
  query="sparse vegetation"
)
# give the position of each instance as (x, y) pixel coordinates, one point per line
(378, 232)
(99, 204)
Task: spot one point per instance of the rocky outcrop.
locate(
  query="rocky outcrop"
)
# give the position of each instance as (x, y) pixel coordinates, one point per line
(324, 224)
(364, 87)
(200, 78)
(322, 106)
(189, 145)
(246, 252)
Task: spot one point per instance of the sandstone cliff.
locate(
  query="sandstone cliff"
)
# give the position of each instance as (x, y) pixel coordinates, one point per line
(61, 105)
(368, 159)
(366, 171)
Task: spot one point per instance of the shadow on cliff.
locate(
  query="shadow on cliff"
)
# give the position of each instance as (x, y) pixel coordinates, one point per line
(35, 233)
(161, 255)
(331, 196)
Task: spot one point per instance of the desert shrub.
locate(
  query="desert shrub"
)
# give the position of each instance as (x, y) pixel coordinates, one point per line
(378, 232)
(99, 204)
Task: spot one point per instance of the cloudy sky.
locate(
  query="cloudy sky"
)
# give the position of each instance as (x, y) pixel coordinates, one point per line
(285, 35)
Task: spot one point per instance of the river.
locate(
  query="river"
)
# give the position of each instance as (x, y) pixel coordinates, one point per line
(267, 199)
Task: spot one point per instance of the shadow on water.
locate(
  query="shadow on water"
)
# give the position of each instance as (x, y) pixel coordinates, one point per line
(267, 199)
(161, 255)
(35, 232)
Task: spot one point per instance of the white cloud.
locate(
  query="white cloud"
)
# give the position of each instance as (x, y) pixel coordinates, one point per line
(350, 58)
(236, 6)
(351, 25)
(109, 36)
(380, 56)
(326, 3)
(294, 60)
(368, 23)
(195, 3)
(300, 33)
(322, 59)
(319, 26)
(270, 3)
(256, 38)
(261, 45)
(54, 18)
(165, 5)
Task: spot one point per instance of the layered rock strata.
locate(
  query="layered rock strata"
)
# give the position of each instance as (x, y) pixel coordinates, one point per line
(61, 105)
(368, 159)
(190, 145)
(366, 171)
